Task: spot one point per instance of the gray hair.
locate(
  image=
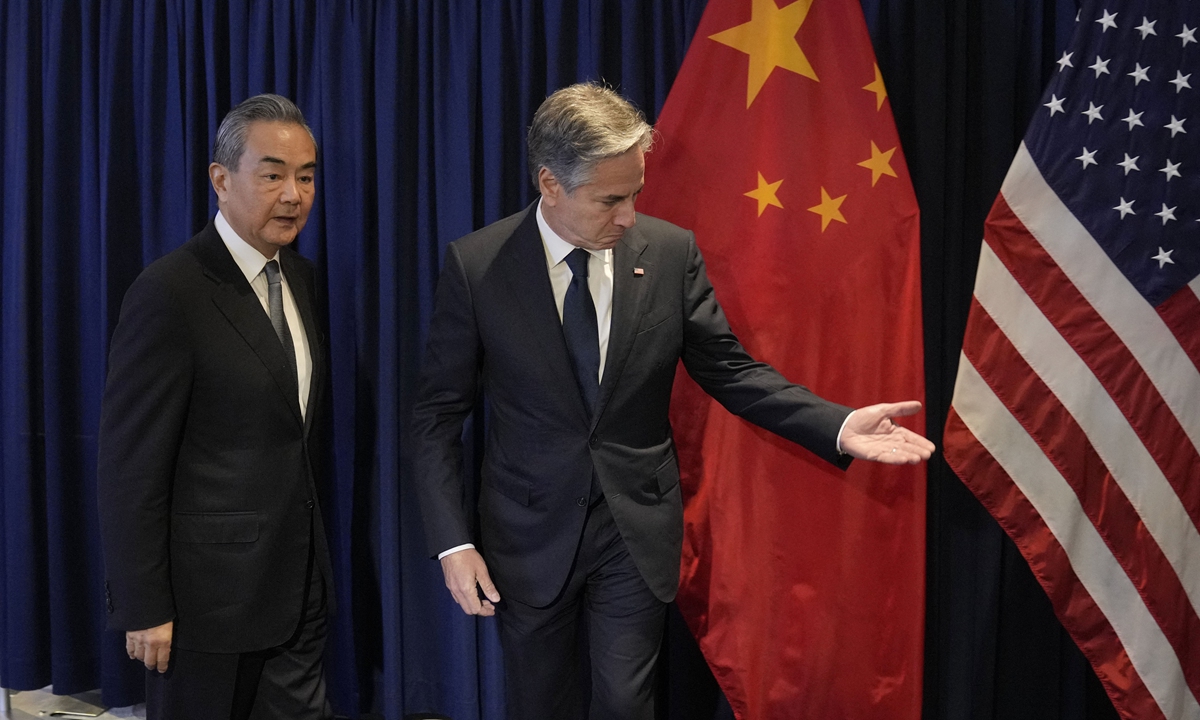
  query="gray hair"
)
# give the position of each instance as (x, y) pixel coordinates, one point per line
(578, 127)
(231, 136)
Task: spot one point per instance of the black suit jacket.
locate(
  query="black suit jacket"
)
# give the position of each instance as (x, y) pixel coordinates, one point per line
(207, 471)
(495, 327)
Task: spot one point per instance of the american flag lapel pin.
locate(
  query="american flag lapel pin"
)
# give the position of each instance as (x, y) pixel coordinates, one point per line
(639, 272)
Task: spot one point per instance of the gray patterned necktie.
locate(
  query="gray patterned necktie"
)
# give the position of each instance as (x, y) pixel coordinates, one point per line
(278, 321)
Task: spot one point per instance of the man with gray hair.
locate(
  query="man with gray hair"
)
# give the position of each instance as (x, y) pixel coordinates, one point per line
(572, 316)
(216, 564)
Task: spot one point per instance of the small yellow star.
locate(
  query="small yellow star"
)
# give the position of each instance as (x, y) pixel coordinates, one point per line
(828, 209)
(765, 194)
(876, 86)
(879, 164)
(770, 41)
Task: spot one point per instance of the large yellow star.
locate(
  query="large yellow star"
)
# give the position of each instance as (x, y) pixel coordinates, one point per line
(876, 86)
(829, 209)
(880, 163)
(765, 194)
(770, 41)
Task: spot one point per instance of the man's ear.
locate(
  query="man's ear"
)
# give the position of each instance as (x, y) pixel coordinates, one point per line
(218, 175)
(549, 187)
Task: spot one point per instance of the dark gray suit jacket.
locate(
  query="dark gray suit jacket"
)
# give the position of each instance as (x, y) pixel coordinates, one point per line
(207, 472)
(495, 328)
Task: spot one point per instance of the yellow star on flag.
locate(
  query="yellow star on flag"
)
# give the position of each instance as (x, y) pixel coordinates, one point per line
(770, 41)
(765, 194)
(876, 86)
(829, 209)
(880, 163)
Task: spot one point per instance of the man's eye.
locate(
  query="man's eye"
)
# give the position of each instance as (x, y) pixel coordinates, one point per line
(271, 176)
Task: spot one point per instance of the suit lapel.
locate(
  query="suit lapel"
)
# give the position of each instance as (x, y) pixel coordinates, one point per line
(236, 300)
(522, 264)
(629, 293)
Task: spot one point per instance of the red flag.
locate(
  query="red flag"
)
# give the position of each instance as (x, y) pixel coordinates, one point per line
(803, 585)
(1075, 417)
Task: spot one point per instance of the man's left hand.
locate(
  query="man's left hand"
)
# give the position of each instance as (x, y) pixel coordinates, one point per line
(870, 434)
(152, 646)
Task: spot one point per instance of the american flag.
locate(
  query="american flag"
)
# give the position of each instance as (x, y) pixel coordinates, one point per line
(1076, 413)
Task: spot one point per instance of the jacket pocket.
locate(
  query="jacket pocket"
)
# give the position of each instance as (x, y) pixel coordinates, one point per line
(667, 475)
(513, 488)
(653, 320)
(223, 527)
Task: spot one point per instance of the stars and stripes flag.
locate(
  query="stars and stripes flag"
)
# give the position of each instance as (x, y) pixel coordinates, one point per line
(1076, 413)
(804, 585)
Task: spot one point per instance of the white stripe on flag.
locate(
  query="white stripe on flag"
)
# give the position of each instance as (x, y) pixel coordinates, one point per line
(1111, 435)
(1125, 310)
(1052, 497)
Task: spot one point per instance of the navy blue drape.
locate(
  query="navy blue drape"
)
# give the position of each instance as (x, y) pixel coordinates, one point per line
(420, 107)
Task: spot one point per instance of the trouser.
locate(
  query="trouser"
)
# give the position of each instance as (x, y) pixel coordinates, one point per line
(281, 683)
(592, 653)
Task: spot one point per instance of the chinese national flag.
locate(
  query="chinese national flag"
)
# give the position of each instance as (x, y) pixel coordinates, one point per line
(803, 585)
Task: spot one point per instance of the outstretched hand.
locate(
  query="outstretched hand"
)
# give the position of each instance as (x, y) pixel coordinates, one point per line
(870, 434)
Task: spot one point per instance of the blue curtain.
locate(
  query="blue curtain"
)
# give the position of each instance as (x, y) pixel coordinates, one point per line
(420, 107)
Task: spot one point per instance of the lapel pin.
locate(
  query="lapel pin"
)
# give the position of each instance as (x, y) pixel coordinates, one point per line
(639, 271)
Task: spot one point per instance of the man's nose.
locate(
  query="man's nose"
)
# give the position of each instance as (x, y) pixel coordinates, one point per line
(626, 214)
(291, 191)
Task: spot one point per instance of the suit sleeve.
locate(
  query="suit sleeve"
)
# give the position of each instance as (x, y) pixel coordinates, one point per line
(747, 388)
(142, 419)
(446, 395)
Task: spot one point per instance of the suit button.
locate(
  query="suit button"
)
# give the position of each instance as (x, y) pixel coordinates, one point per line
(309, 504)
(594, 441)
(581, 502)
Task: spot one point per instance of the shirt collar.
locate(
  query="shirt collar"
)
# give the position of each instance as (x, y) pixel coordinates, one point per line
(250, 261)
(558, 249)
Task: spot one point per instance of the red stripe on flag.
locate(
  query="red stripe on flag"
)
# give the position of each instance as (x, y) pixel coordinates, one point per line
(1101, 349)
(1052, 568)
(1181, 313)
(1070, 449)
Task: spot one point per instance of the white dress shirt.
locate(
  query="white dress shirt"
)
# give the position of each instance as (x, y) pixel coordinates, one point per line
(251, 262)
(600, 279)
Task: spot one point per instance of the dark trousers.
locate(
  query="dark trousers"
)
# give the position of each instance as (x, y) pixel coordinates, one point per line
(593, 652)
(282, 683)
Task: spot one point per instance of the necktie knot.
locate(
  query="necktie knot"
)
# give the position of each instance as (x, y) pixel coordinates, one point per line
(272, 271)
(577, 260)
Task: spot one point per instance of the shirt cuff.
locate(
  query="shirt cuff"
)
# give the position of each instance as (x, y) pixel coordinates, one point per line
(457, 548)
(839, 440)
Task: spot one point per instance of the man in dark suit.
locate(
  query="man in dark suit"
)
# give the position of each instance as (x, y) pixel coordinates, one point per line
(216, 563)
(572, 316)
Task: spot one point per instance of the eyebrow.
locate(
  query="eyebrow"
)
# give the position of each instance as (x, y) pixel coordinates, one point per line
(277, 161)
(614, 198)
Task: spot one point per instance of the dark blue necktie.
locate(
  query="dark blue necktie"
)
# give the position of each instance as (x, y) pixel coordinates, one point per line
(580, 330)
